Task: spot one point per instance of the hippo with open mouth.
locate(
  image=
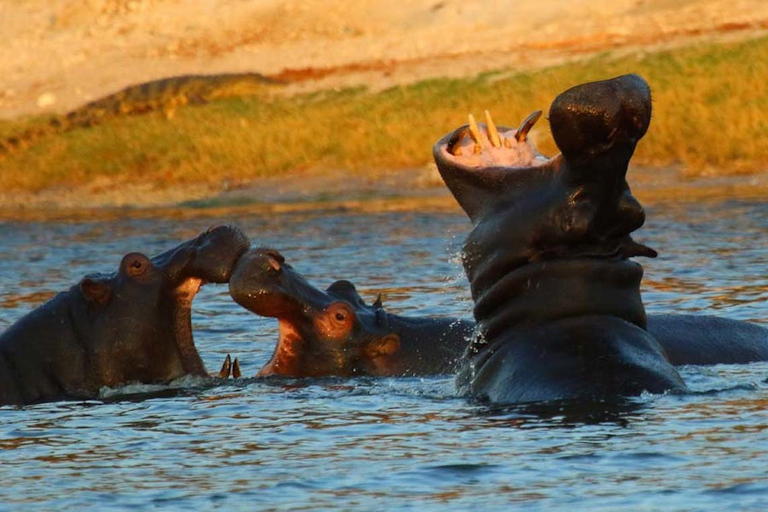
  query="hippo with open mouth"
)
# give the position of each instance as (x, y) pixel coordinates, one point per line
(334, 332)
(557, 298)
(113, 329)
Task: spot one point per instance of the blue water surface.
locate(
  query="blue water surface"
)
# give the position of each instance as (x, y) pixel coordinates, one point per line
(389, 443)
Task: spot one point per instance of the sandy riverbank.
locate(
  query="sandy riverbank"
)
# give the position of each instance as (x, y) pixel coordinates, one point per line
(61, 54)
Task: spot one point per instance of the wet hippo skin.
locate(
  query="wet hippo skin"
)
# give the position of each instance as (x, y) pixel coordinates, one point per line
(704, 339)
(368, 340)
(112, 329)
(334, 332)
(557, 298)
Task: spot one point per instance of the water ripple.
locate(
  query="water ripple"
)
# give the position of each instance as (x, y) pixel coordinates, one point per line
(395, 444)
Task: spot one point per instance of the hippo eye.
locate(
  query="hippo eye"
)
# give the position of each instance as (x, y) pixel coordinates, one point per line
(135, 264)
(341, 314)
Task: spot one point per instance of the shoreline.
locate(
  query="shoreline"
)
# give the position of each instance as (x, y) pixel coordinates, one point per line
(316, 193)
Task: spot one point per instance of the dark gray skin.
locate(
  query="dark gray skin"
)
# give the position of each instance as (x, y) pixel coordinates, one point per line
(557, 300)
(704, 339)
(112, 329)
(334, 333)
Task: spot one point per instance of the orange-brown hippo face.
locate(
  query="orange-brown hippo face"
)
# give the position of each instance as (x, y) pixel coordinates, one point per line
(322, 333)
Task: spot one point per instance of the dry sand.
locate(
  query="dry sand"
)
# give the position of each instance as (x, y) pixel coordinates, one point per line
(58, 54)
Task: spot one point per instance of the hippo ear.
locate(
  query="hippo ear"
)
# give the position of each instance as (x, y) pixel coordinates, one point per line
(377, 304)
(383, 347)
(96, 290)
(345, 290)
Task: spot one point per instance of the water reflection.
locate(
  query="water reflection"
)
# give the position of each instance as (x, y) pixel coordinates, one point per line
(564, 413)
(351, 443)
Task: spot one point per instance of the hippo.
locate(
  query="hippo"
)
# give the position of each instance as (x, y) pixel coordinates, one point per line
(265, 284)
(334, 332)
(133, 325)
(706, 339)
(556, 295)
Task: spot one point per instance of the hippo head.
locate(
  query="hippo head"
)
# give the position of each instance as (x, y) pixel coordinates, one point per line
(551, 237)
(331, 332)
(137, 321)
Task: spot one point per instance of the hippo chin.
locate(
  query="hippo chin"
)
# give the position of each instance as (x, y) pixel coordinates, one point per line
(557, 299)
(334, 333)
(113, 329)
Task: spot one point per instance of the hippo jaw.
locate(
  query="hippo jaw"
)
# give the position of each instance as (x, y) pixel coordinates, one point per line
(542, 221)
(208, 258)
(321, 333)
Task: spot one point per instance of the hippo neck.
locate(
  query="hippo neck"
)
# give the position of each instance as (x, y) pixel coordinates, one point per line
(546, 291)
(429, 345)
(427, 334)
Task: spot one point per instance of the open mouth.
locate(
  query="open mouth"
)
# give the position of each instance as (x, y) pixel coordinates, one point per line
(486, 145)
(487, 151)
(208, 258)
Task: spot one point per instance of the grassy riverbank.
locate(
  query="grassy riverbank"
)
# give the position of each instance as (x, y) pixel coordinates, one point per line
(710, 115)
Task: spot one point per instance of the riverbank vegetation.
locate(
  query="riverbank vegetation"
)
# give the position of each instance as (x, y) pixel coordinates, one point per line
(710, 116)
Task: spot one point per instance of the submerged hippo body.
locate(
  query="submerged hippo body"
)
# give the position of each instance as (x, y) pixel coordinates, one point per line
(704, 339)
(333, 332)
(557, 300)
(112, 329)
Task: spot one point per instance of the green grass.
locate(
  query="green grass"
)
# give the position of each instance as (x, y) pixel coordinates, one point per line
(710, 115)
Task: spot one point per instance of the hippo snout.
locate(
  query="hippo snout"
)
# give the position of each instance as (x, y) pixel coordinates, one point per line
(216, 252)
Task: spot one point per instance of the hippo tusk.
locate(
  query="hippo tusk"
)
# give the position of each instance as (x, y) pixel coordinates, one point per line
(493, 132)
(474, 132)
(225, 368)
(525, 127)
(236, 373)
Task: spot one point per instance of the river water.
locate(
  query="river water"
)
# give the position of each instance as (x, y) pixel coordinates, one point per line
(389, 443)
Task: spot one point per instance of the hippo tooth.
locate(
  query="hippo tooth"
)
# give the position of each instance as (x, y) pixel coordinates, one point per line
(525, 127)
(474, 132)
(236, 373)
(493, 132)
(225, 368)
(453, 146)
